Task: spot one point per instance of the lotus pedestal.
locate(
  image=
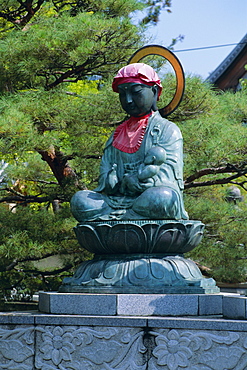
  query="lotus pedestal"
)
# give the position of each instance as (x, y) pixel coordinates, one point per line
(140, 257)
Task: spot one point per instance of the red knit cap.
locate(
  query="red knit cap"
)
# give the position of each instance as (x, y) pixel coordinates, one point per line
(137, 73)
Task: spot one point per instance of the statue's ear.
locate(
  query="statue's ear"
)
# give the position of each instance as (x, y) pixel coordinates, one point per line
(155, 89)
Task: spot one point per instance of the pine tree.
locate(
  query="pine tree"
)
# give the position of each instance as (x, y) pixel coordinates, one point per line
(57, 109)
(215, 156)
(56, 113)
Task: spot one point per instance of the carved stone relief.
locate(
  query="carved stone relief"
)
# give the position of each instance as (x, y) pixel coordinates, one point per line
(120, 348)
(88, 348)
(16, 347)
(198, 350)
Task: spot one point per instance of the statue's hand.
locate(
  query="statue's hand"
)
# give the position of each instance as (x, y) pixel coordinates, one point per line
(148, 183)
(112, 177)
(133, 185)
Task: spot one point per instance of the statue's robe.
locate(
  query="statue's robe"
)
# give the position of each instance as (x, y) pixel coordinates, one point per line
(160, 132)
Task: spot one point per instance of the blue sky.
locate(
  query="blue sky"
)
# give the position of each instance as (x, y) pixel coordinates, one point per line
(202, 23)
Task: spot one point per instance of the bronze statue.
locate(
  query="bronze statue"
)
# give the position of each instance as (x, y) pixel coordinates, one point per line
(134, 221)
(125, 191)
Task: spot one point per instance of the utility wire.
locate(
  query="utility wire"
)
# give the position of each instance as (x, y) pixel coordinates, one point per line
(209, 47)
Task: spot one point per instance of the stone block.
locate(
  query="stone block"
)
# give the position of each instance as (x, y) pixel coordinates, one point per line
(157, 305)
(234, 307)
(78, 303)
(17, 318)
(210, 304)
(106, 321)
(44, 302)
(196, 323)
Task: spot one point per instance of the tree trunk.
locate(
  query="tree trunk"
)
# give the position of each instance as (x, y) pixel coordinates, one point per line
(59, 165)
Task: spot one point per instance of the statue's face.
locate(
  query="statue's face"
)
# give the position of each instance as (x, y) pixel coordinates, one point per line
(137, 99)
(149, 159)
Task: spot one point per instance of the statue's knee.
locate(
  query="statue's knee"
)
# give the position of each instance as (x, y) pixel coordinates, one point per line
(86, 205)
(158, 203)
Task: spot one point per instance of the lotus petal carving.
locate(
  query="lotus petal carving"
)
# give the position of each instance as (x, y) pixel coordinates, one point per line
(162, 237)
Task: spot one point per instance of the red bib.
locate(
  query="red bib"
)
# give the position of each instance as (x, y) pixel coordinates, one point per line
(129, 135)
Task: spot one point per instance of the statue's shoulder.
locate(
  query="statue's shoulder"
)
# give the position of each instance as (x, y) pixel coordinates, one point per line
(165, 125)
(109, 141)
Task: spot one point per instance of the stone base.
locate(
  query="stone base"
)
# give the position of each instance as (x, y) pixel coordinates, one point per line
(130, 304)
(139, 274)
(35, 341)
(235, 307)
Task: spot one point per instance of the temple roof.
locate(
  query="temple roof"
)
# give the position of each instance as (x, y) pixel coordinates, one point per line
(227, 75)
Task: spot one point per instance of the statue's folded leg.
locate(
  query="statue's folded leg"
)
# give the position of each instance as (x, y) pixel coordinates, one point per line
(158, 203)
(88, 205)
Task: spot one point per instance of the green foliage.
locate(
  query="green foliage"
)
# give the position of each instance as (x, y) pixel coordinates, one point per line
(198, 99)
(30, 235)
(215, 157)
(59, 48)
(216, 154)
(56, 108)
(74, 124)
(224, 246)
(154, 9)
(219, 136)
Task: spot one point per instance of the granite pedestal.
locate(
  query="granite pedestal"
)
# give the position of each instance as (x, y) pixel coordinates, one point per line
(124, 335)
(131, 304)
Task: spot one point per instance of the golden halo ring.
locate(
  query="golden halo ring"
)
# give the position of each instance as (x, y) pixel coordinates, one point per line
(177, 67)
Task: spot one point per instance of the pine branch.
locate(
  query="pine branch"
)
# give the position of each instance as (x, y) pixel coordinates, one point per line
(15, 262)
(229, 168)
(91, 156)
(70, 73)
(50, 273)
(23, 14)
(225, 180)
(12, 265)
(25, 199)
(44, 182)
(241, 184)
